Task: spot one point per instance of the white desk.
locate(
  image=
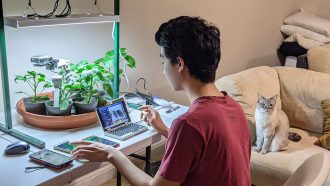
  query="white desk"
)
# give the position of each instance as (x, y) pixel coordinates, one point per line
(12, 167)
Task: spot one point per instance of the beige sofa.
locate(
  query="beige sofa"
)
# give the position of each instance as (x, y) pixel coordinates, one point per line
(301, 92)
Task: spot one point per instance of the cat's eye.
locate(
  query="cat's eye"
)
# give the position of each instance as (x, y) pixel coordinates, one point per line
(271, 105)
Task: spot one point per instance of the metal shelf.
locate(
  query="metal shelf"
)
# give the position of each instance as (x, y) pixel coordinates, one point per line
(23, 22)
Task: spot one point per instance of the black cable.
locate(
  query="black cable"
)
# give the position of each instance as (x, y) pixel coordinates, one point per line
(66, 11)
(47, 15)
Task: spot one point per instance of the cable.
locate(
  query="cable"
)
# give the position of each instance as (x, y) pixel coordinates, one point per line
(66, 11)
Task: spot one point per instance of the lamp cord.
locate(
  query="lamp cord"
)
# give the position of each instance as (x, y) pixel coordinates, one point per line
(66, 11)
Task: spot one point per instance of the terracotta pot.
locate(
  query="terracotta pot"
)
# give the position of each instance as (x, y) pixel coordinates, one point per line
(56, 111)
(82, 107)
(55, 122)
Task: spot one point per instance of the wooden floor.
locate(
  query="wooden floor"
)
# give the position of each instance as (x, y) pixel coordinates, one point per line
(156, 154)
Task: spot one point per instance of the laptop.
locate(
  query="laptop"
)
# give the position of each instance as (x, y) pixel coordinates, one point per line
(116, 121)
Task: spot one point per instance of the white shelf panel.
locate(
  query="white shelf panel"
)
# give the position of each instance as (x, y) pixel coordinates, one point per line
(23, 22)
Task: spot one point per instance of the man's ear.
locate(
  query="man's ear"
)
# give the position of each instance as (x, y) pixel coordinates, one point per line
(180, 64)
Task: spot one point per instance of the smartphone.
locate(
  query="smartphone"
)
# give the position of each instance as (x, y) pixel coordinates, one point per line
(102, 140)
(50, 158)
(65, 147)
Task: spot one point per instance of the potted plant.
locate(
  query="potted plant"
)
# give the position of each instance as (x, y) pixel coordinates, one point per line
(107, 62)
(66, 88)
(34, 103)
(88, 75)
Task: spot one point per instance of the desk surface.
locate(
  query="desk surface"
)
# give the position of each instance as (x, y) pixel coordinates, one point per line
(12, 167)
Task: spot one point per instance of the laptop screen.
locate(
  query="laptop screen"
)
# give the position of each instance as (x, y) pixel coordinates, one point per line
(113, 115)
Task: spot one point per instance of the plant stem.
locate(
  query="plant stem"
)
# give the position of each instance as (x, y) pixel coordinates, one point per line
(90, 90)
(35, 88)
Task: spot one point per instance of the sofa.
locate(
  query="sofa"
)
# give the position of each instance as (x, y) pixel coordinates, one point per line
(301, 93)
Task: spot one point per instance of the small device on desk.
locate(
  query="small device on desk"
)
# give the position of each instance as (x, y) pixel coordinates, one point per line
(50, 158)
(19, 147)
(116, 121)
(67, 147)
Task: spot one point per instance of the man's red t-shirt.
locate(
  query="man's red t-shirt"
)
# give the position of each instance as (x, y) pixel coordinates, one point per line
(209, 145)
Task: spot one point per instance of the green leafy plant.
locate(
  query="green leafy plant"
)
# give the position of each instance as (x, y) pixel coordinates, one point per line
(88, 75)
(34, 80)
(67, 89)
(107, 62)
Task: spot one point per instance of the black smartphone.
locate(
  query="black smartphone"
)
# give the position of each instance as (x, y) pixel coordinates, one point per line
(50, 158)
(101, 140)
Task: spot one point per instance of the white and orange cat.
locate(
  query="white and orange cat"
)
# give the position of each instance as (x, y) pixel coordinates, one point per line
(272, 126)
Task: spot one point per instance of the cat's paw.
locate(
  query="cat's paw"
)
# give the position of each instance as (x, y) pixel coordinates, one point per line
(257, 149)
(263, 152)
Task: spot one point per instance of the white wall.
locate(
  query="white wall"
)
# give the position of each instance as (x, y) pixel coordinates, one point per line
(249, 34)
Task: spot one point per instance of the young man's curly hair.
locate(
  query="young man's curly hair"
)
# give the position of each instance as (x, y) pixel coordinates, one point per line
(195, 41)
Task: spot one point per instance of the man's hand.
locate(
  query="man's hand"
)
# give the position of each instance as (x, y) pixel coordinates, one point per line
(93, 151)
(152, 118)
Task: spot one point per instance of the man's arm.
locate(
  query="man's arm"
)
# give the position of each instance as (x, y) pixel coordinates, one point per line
(99, 152)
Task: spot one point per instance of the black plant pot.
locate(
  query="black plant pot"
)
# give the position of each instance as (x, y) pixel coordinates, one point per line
(83, 107)
(35, 108)
(55, 111)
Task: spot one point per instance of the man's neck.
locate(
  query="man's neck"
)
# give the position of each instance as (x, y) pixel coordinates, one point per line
(196, 89)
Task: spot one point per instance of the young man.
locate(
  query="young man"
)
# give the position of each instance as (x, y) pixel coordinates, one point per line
(208, 145)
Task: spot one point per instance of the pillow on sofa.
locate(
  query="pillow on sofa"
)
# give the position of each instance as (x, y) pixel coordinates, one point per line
(319, 59)
(292, 29)
(309, 21)
(324, 141)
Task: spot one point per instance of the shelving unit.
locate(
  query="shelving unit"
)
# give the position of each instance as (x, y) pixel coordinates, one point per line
(21, 22)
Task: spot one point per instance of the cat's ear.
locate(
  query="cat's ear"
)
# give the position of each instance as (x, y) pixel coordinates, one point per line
(260, 97)
(274, 97)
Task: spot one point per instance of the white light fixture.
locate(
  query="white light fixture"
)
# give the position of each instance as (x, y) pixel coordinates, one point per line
(24, 22)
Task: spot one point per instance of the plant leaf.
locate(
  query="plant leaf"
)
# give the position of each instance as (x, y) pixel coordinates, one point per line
(108, 89)
(64, 104)
(123, 52)
(32, 73)
(130, 61)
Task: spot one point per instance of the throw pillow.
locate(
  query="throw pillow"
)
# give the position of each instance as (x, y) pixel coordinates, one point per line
(309, 21)
(324, 141)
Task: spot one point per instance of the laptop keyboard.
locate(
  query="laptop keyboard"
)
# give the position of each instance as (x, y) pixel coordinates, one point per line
(126, 129)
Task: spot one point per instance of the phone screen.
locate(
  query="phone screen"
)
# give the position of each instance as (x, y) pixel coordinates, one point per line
(51, 158)
(102, 140)
(65, 147)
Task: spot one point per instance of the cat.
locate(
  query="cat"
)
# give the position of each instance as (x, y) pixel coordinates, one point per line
(272, 126)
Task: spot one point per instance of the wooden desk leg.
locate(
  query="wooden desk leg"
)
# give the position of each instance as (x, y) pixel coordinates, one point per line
(118, 178)
(148, 160)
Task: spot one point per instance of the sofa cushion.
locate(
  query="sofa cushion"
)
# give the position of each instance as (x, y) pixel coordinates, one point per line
(278, 166)
(244, 86)
(319, 59)
(302, 92)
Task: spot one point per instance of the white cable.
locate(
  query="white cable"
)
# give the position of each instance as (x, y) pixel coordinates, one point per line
(121, 56)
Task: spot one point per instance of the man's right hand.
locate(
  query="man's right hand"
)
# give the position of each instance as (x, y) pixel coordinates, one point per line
(152, 118)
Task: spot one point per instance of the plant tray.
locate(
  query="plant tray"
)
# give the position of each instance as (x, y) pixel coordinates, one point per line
(56, 122)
